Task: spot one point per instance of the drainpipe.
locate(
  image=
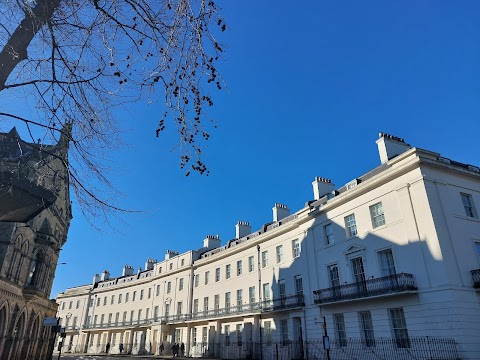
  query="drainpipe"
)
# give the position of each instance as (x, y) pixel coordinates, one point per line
(260, 300)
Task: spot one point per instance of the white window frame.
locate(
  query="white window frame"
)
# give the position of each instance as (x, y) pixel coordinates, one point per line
(296, 248)
(351, 225)
(468, 205)
(328, 234)
(264, 259)
(377, 215)
(279, 252)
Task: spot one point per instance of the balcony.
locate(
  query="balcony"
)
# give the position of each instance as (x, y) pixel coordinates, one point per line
(384, 286)
(476, 278)
(283, 303)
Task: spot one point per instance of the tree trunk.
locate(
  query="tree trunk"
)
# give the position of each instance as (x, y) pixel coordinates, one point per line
(15, 50)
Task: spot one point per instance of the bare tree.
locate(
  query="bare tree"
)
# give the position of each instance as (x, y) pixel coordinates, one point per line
(81, 58)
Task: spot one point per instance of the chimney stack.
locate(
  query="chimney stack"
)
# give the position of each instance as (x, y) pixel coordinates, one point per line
(211, 242)
(280, 211)
(96, 279)
(321, 187)
(105, 275)
(390, 146)
(127, 270)
(170, 254)
(242, 229)
(149, 264)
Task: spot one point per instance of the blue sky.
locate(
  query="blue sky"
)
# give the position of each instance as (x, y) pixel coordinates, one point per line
(311, 84)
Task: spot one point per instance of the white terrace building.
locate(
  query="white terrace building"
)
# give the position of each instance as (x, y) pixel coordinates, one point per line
(393, 254)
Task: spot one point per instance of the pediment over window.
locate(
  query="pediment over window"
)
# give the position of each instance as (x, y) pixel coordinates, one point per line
(354, 249)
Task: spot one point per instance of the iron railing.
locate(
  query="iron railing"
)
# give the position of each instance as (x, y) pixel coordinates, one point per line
(418, 348)
(277, 304)
(476, 278)
(386, 285)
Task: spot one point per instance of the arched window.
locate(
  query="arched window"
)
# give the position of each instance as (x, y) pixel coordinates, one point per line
(34, 269)
(15, 258)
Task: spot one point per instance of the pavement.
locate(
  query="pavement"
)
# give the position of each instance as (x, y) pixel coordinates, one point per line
(114, 357)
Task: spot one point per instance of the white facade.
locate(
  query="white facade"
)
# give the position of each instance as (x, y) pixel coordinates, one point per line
(388, 255)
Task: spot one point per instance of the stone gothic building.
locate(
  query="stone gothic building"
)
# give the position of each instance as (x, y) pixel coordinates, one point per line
(35, 214)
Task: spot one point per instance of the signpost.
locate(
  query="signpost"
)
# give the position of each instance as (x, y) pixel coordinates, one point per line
(53, 323)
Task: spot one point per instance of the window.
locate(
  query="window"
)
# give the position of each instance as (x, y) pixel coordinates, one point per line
(179, 308)
(284, 331)
(167, 310)
(75, 319)
(155, 313)
(182, 262)
(268, 332)
(63, 306)
(110, 318)
(171, 266)
(227, 335)
(296, 248)
(117, 315)
(358, 270)
(197, 280)
(340, 333)
(131, 315)
(399, 327)
(147, 313)
(134, 295)
(387, 264)
(169, 287)
(217, 274)
(251, 295)
(180, 284)
(195, 306)
(95, 318)
(207, 275)
(141, 294)
(98, 301)
(266, 292)
(105, 301)
(205, 335)
(178, 336)
(279, 251)
(78, 304)
(333, 275)
(264, 259)
(351, 225)
(158, 290)
(227, 300)
(102, 319)
(149, 293)
(119, 298)
(239, 267)
(251, 264)
(366, 327)
(139, 314)
(216, 303)
(113, 300)
(205, 305)
(282, 290)
(376, 213)
(124, 318)
(328, 232)
(228, 271)
(477, 248)
(160, 270)
(239, 299)
(298, 285)
(126, 297)
(239, 334)
(468, 205)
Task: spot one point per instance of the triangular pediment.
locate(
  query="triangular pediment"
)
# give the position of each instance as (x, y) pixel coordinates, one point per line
(354, 248)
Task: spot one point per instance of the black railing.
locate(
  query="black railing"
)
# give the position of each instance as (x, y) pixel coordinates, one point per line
(284, 302)
(397, 283)
(476, 278)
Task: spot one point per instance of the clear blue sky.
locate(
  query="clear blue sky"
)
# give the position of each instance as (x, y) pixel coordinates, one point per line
(311, 84)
